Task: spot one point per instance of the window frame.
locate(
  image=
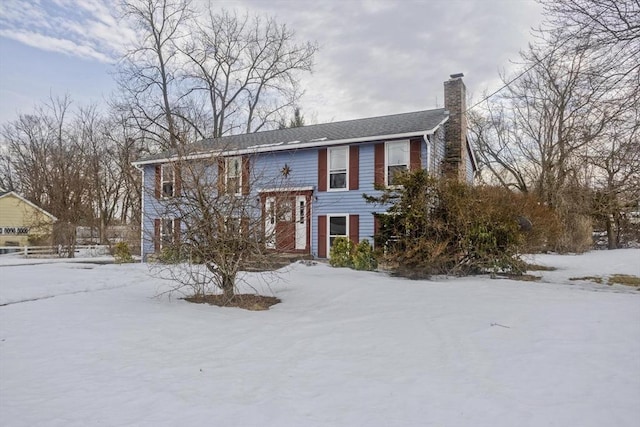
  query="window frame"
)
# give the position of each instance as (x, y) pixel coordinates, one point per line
(227, 162)
(344, 148)
(329, 235)
(171, 167)
(167, 239)
(407, 150)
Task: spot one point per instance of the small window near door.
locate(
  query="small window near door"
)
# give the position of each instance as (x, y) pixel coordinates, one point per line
(337, 228)
(271, 211)
(338, 168)
(301, 212)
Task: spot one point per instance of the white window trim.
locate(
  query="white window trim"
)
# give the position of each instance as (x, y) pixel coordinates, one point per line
(162, 180)
(386, 159)
(236, 219)
(329, 216)
(227, 160)
(346, 187)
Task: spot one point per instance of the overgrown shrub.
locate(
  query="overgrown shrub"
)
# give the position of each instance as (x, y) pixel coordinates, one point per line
(363, 257)
(122, 253)
(170, 254)
(341, 252)
(573, 204)
(435, 226)
(577, 234)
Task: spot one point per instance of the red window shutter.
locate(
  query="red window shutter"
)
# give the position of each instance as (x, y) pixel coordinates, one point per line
(322, 169)
(245, 175)
(376, 227)
(415, 155)
(244, 226)
(177, 179)
(176, 231)
(378, 164)
(354, 228)
(156, 235)
(322, 235)
(158, 191)
(354, 167)
(220, 175)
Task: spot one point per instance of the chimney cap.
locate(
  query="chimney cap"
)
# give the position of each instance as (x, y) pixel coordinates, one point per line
(457, 75)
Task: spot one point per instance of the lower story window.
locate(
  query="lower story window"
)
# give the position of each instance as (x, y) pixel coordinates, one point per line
(166, 232)
(337, 228)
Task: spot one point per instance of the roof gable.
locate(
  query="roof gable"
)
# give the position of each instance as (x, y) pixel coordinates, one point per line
(22, 199)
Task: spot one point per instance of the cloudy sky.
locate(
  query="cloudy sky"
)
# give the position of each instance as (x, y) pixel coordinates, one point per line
(376, 56)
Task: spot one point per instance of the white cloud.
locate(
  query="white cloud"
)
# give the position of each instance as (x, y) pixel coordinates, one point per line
(376, 56)
(83, 28)
(384, 57)
(53, 44)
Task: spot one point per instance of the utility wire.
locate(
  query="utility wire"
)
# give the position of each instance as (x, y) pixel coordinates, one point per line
(504, 86)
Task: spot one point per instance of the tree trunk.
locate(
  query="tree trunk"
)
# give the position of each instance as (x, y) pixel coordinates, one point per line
(611, 238)
(228, 288)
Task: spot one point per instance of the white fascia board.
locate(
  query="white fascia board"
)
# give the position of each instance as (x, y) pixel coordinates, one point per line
(206, 155)
(470, 150)
(284, 147)
(285, 189)
(435, 129)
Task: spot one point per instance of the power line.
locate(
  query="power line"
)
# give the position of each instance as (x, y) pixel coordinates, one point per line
(517, 77)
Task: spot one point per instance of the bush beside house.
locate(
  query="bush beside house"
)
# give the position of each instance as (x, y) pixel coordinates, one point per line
(434, 226)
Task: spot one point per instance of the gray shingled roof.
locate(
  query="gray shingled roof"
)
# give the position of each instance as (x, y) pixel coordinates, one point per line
(405, 123)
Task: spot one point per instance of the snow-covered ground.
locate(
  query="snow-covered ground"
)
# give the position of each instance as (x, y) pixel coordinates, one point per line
(88, 345)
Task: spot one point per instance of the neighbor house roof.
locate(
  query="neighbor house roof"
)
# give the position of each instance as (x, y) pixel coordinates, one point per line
(350, 131)
(16, 195)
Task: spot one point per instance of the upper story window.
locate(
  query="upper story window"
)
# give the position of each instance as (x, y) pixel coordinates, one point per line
(397, 160)
(233, 175)
(338, 161)
(168, 180)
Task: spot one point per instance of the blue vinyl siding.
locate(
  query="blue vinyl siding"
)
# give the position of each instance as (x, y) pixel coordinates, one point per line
(267, 169)
(439, 150)
(349, 202)
(266, 173)
(151, 207)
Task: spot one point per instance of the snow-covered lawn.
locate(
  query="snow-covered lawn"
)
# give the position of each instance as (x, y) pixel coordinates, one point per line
(88, 345)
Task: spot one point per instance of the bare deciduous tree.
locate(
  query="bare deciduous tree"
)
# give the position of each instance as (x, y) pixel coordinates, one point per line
(613, 165)
(247, 68)
(76, 165)
(609, 27)
(563, 115)
(50, 165)
(148, 72)
(215, 226)
(193, 76)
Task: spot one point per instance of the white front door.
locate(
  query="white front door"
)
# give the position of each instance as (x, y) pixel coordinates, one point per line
(270, 222)
(301, 222)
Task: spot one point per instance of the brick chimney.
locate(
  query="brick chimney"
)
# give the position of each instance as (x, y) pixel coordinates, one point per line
(455, 101)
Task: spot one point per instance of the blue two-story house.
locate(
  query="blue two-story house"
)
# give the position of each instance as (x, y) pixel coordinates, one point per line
(322, 172)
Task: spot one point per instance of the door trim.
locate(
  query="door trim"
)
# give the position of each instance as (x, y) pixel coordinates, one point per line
(295, 194)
